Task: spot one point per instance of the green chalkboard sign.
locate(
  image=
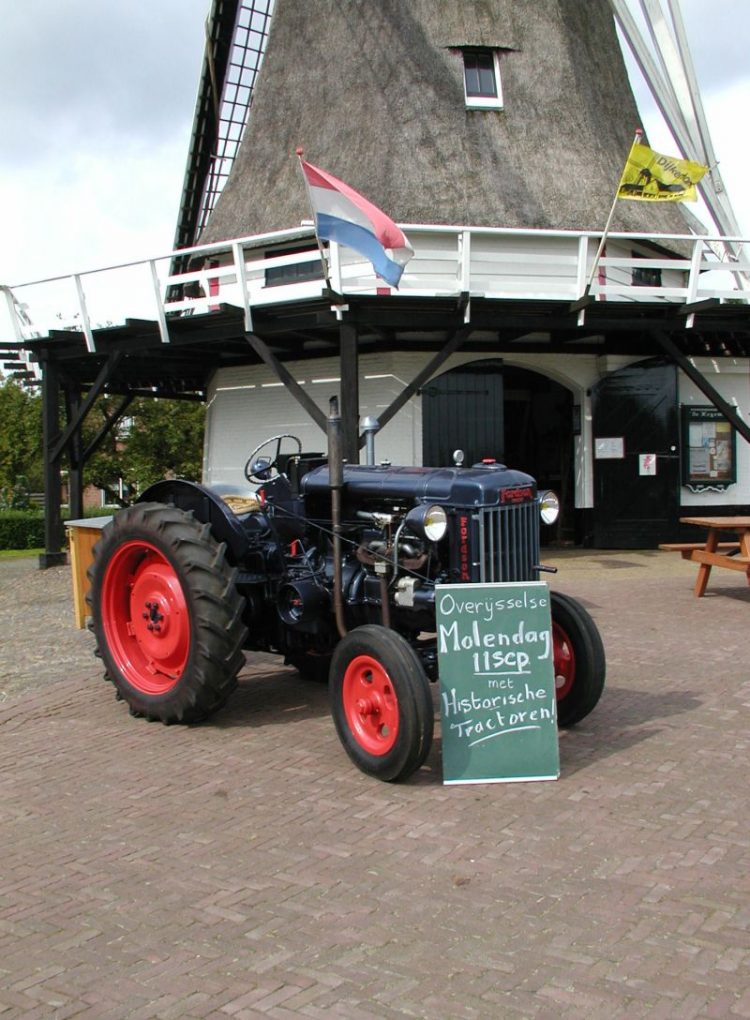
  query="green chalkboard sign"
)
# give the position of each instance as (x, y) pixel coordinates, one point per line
(497, 686)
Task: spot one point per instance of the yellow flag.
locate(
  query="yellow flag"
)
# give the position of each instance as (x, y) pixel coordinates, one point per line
(651, 177)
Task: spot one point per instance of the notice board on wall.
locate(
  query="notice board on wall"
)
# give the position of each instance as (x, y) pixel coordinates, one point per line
(497, 686)
(709, 449)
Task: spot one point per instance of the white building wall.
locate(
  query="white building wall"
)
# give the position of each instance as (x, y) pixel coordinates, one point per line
(247, 405)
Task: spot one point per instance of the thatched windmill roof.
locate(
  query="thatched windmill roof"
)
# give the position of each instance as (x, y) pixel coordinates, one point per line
(374, 93)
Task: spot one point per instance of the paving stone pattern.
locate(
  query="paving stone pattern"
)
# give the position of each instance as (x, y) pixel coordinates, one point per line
(243, 868)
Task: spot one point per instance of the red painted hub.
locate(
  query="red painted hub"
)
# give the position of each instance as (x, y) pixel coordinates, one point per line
(145, 618)
(565, 661)
(370, 705)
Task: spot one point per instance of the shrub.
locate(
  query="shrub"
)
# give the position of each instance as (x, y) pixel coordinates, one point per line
(21, 529)
(16, 496)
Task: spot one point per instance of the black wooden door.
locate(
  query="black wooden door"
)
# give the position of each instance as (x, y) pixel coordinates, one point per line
(638, 405)
(463, 409)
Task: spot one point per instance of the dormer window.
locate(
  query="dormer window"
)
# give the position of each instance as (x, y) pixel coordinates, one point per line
(482, 80)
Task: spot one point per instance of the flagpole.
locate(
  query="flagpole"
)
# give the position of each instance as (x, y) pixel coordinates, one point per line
(608, 224)
(300, 153)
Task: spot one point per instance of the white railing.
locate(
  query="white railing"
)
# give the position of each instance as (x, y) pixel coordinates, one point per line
(493, 263)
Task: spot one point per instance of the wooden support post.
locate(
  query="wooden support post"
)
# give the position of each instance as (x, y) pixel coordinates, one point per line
(53, 554)
(349, 358)
(75, 458)
(106, 373)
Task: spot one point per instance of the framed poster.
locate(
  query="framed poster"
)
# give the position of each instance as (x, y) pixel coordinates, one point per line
(709, 449)
(497, 688)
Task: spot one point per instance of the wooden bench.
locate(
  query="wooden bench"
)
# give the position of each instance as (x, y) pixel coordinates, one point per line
(728, 547)
(713, 553)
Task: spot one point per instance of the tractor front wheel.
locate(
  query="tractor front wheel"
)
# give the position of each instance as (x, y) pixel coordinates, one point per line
(381, 702)
(166, 613)
(579, 660)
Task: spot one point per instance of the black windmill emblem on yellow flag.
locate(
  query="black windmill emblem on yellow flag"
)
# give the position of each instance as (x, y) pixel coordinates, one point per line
(652, 177)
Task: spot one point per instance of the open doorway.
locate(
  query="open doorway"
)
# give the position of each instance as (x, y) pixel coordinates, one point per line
(519, 417)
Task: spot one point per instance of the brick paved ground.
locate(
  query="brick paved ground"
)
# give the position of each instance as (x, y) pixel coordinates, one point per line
(244, 868)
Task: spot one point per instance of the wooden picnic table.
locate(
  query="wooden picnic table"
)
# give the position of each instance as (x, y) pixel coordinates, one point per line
(734, 555)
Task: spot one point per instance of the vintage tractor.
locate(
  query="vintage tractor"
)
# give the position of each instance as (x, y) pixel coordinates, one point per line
(332, 566)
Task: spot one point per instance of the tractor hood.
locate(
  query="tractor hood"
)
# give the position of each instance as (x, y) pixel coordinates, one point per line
(481, 485)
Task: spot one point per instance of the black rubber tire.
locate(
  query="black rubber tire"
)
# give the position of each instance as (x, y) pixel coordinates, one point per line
(213, 634)
(410, 687)
(590, 662)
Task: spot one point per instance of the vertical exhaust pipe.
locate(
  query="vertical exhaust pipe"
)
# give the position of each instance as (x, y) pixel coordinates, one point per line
(370, 426)
(336, 481)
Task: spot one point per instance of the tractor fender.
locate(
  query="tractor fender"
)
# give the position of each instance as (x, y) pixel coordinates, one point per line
(207, 506)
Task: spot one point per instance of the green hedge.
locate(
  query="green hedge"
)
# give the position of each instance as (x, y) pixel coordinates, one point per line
(21, 529)
(24, 529)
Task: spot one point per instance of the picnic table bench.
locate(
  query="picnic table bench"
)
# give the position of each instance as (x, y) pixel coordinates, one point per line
(734, 555)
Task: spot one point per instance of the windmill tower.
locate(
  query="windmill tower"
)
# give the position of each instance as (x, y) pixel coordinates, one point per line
(511, 113)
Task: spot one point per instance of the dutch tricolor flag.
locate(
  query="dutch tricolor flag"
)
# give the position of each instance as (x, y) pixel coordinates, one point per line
(345, 216)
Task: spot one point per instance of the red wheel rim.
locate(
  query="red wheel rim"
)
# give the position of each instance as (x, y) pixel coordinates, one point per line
(145, 618)
(565, 661)
(370, 705)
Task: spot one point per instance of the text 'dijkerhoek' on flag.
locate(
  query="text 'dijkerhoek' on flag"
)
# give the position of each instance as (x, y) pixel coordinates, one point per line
(652, 177)
(348, 218)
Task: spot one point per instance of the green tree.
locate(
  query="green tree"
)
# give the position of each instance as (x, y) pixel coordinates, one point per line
(20, 436)
(165, 439)
(158, 439)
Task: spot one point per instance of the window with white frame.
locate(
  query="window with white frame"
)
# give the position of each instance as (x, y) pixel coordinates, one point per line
(482, 86)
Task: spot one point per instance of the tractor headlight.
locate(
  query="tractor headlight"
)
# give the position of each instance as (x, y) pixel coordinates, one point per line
(430, 522)
(549, 506)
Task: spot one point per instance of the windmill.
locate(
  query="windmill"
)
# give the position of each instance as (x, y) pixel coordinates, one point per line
(489, 113)
(378, 94)
(495, 132)
(552, 159)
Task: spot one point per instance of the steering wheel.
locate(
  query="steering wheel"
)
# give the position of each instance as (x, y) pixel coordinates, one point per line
(258, 469)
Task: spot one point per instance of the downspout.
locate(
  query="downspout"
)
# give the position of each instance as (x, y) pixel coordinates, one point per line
(336, 481)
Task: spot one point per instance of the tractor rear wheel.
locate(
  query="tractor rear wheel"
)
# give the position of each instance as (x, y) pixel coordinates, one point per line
(166, 613)
(381, 702)
(579, 660)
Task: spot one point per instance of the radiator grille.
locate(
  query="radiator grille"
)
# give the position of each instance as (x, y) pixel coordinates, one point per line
(509, 543)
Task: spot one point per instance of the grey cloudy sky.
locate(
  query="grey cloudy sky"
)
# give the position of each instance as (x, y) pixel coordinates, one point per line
(96, 102)
(97, 99)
